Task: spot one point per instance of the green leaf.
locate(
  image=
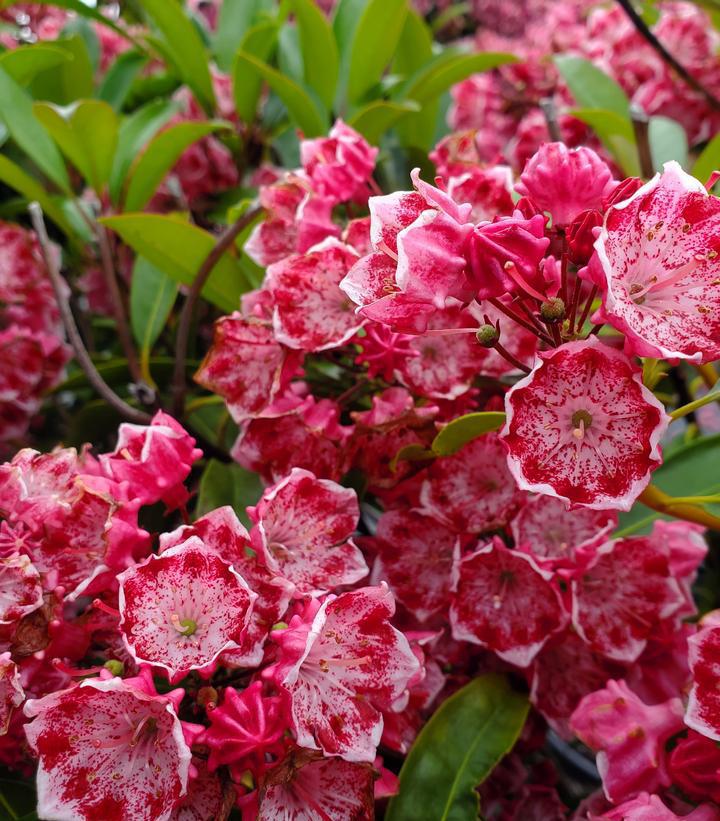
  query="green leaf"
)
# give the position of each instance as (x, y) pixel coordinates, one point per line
(23, 183)
(464, 429)
(373, 44)
(668, 141)
(16, 111)
(260, 41)
(456, 750)
(235, 19)
(377, 117)
(615, 133)
(135, 131)
(22, 64)
(184, 46)
(71, 80)
(152, 296)
(119, 78)
(591, 87)
(17, 799)
(708, 161)
(179, 248)
(87, 137)
(159, 157)
(228, 484)
(300, 106)
(319, 50)
(690, 470)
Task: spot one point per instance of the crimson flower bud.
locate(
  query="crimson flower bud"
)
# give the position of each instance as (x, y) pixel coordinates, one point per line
(581, 236)
(623, 191)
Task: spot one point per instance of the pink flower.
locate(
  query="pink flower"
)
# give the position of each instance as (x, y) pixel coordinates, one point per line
(107, 749)
(221, 532)
(340, 667)
(20, 588)
(629, 738)
(182, 609)
(694, 766)
(245, 728)
(472, 491)
(622, 596)
(246, 365)
(565, 181)
(383, 350)
(310, 312)
(340, 164)
(154, 459)
(415, 557)
(306, 786)
(652, 808)
(657, 270)
(554, 535)
(303, 532)
(703, 708)
(503, 601)
(11, 691)
(582, 426)
(488, 190)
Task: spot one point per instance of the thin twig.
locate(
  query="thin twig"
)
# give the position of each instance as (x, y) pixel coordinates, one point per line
(644, 30)
(641, 127)
(547, 105)
(588, 305)
(71, 328)
(511, 358)
(118, 304)
(224, 241)
(518, 319)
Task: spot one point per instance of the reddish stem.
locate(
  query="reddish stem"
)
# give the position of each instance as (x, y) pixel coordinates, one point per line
(588, 305)
(519, 320)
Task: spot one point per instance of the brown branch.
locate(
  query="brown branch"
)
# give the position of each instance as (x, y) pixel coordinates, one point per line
(224, 241)
(71, 328)
(547, 106)
(644, 30)
(641, 127)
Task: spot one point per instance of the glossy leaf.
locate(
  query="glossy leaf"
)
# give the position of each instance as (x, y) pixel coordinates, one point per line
(16, 111)
(160, 156)
(185, 47)
(260, 41)
(228, 484)
(377, 117)
(22, 64)
(708, 161)
(152, 296)
(300, 106)
(690, 470)
(236, 17)
(591, 87)
(179, 248)
(319, 49)
(20, 181)
(135, 131)
(71, 80)
(464, 429)
(120, 77)
(87, 137)
(456, 750)
(373, 44)
(668, 141)
(615, 133)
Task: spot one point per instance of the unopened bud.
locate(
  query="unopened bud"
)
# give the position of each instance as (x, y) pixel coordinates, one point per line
(553, 310)
(487, 335)
(581, 236)
(623, 191)
(116, 667)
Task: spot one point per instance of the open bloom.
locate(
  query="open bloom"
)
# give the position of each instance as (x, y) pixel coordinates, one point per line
(181, 609)
(108, 749)
(703, 709)
(581, 426)
(658, 269)
(341, 666)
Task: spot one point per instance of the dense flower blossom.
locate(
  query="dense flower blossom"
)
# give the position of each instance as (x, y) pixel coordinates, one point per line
(703, 708)
(341, 663)
(582, 426)
(656, 268)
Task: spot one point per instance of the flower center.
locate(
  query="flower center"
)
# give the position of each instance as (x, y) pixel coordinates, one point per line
(186, 627)
(581, 420)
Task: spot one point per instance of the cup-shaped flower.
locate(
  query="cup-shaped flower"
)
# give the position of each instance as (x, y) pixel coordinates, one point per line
(581, 426)
(703, 708)
(181, 609)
